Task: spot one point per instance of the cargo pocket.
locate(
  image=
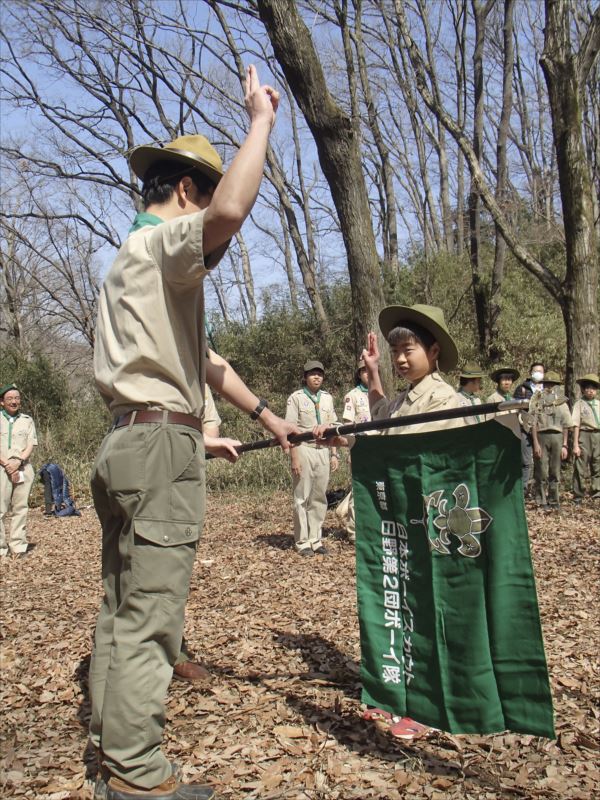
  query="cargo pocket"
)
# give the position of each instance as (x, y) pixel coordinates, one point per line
(163, 556)
(187, 488)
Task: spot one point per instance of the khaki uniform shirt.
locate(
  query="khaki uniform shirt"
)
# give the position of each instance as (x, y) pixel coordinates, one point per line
(551, 414)
(211, 415)
(583, 415)
(467, 399)
(16, 436)
(356, 406)
(302, 411)
(430, 394)
(150, 329)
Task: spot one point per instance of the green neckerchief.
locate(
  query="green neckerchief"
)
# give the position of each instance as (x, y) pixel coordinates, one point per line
(316, 398)
(594, 412)
(10, 424)
(143, 219)
(362, 387)
(471, 398)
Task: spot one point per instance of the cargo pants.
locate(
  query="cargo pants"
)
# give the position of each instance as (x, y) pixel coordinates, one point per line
(310, 496)
(148, 485)
(546, 470)
(589, 443)
(15, 496)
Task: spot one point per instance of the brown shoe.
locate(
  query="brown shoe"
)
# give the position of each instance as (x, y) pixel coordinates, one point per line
(190, 671)
(171, 789)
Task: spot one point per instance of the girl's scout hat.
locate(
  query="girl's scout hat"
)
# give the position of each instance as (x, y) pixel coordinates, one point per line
(552, 378)
(192, 151)
(514, 373)
(471, 370)
(589, 378)
(429, 317)
(310, 365)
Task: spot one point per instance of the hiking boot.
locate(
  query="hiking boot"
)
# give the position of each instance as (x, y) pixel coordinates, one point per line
(306, 551)
(321, 551)
(190, 671)
(171, 789)
(103, 776)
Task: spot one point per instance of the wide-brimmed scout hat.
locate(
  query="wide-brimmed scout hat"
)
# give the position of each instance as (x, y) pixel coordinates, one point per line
(310, 365)
(193, 151)
(591, 377)
(552, 378)
(429, 317)
(7, 388)
(495, 375)
(471, 370)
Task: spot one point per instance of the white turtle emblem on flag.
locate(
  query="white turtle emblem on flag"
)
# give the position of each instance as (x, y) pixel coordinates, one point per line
(465, 523)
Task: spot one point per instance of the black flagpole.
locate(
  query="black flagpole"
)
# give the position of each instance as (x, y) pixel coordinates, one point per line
(393, 422)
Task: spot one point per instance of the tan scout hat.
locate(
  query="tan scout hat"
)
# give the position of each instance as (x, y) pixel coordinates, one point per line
(313, 365)
(429, 317)
(591, 377)
(552, 378)
(471, 370)
(193, 151)
(495, 375)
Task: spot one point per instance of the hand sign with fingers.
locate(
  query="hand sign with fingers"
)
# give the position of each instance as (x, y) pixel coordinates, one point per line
(261, 101)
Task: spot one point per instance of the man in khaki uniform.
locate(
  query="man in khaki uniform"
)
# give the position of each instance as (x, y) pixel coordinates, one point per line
(148, 480)
(17, 440)
(356, 410)
(586, 438)
(306, 408)
(550, 430)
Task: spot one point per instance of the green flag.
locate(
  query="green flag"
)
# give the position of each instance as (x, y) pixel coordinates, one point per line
(449, 621)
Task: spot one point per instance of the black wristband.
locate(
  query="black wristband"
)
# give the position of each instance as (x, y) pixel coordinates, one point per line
(262, 404)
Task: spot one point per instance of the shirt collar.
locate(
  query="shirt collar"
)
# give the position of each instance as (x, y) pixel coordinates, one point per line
(143, 219)
(10, 417)
(423, 385)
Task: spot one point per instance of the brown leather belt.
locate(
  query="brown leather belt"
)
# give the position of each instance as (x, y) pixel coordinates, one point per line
(173, 418)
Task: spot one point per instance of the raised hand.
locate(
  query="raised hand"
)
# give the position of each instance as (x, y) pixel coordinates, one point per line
(261, 101)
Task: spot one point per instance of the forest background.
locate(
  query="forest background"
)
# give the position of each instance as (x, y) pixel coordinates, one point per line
(435, 152)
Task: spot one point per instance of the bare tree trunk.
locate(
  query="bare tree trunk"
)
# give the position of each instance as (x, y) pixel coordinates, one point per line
(480, 13)
(248, 282)
(566, 73)
(340, 159)
(502, 178)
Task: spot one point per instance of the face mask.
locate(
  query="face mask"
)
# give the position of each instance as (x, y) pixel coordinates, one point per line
(538, 377)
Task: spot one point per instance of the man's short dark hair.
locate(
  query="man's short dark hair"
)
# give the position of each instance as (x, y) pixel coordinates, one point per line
(162, 178)
(537, 364)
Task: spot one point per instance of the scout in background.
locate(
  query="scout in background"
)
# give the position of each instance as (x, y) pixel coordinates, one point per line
(525, 391)
(308, 407)
(356, 409)
(17, 440)
(420, 345)
(586, 438)
(503, 377)
(550, 430)
(470, 386)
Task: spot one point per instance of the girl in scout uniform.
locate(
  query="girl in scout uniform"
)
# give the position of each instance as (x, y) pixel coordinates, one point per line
(310, 406)
(503, 377)
(420, 345)
(470, 386)
(550, 431)
(586, 438)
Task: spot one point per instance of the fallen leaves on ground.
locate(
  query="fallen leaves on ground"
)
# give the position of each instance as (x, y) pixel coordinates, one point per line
(281, 716)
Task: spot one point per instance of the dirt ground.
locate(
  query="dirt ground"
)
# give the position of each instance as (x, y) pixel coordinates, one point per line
(281, 717)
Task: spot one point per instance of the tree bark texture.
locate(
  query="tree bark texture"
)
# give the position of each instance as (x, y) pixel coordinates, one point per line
(340, 159)
(565, 73)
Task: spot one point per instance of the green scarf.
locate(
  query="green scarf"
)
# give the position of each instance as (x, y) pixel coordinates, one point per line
(316, 398)
(471, 399)
(143, 219)
(11, 420)
(591, 404)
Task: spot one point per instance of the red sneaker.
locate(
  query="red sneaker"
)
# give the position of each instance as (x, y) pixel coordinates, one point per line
(408, 729)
